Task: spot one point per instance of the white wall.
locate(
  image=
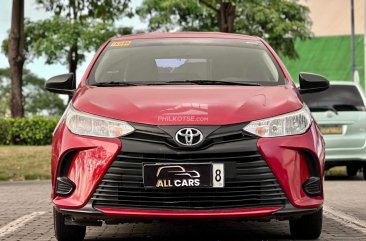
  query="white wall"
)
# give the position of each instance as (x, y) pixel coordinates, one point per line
(333, 17)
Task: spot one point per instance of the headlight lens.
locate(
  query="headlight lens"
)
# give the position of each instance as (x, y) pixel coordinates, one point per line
(85, 124)
(294, 123)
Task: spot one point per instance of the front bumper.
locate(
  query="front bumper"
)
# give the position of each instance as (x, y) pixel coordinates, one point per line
(345, 154)
(94, 217)
(285, 156)
(346, 147)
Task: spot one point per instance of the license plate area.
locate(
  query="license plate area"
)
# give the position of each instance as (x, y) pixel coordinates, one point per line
(331, 129)
(183, 175)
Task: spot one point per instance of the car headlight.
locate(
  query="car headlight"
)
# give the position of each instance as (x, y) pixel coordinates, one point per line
(294, 123)
(86, 124)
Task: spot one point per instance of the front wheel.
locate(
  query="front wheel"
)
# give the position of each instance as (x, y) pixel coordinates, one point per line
(308, 226)
(66, 232)
(364, 171)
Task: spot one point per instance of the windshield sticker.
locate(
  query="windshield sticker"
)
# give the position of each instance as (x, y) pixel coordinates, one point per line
(120, 44)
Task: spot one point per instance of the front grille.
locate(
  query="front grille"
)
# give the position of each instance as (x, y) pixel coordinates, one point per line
(164, 135)
(249, 183)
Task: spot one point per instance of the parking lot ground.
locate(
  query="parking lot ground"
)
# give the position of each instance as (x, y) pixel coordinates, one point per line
(25, 214)
(347, 195)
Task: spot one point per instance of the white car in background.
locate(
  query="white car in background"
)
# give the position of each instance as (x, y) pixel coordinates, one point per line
(341, 115)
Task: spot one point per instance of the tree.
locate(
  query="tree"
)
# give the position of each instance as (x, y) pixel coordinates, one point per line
(225, 12)
(16, 57)
(78, 26)
(5, 92)
(65, 42)
(37, 101)
(279, 22)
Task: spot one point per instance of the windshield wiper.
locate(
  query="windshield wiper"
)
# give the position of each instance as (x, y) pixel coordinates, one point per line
(212, 82)
(197, 82)
(115, 83)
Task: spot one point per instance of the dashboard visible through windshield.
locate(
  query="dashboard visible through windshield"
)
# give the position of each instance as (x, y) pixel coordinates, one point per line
(186, 61)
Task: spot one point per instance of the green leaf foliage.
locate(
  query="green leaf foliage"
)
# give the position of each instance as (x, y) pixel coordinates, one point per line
(84, 10)
(54, 38)
(27, 131)
(279, 22)
(77, 27)
(4, 92)
(37, 101)
(5, 128)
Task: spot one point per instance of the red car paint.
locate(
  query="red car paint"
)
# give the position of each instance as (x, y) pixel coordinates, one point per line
(134, 103)
(255, 212)
(281, 154)
(227, 105)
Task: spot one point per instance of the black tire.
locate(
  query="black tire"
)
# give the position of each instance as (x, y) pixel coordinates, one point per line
(352, 170)
(308, 226)
(364, 171)
(66, 232)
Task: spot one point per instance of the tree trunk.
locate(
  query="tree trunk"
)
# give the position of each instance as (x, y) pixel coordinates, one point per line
(226, 16)
(73, 59)
(16, 58)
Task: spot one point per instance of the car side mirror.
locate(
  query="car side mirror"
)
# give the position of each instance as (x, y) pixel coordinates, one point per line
(310, 83)
(64, 84)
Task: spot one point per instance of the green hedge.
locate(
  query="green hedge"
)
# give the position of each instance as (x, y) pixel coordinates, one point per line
(27, 131)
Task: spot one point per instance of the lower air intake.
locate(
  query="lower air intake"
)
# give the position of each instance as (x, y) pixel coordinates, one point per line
(312, 186)
(64, 186)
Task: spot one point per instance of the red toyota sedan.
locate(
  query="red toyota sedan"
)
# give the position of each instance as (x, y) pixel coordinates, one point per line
(186, 126)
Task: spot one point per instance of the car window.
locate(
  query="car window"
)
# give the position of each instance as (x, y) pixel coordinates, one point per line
(337, 97)
(189, 59)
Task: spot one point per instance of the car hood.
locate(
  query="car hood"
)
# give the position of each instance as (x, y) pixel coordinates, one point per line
(187, 104)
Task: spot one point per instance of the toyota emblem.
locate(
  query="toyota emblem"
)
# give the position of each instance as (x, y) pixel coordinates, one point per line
(189, 136)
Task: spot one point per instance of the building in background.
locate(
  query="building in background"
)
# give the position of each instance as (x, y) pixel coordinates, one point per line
(333, 17)
(329, 52)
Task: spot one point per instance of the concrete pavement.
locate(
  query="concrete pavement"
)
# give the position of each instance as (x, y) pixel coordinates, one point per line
(30, 203)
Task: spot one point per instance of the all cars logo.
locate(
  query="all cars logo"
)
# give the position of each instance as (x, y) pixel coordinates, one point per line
(177, 176)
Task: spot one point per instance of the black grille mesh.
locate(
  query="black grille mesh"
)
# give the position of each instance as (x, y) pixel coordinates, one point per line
(249, 183)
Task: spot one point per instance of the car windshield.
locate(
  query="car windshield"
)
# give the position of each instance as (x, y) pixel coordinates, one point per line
(186, 61)
(336, 98)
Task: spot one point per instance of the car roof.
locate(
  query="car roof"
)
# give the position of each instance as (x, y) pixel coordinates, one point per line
(158, 35)
(350, 83)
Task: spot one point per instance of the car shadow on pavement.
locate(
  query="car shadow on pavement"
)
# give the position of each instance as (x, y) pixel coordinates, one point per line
(344, 178)
(202, 231)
